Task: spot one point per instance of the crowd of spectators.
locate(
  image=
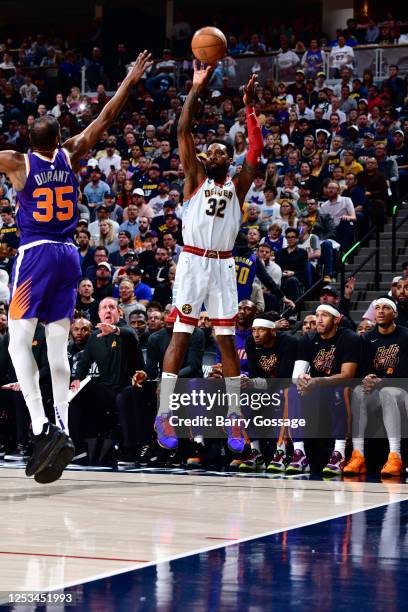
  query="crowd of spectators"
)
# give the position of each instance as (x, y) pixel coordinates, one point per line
(335, 158)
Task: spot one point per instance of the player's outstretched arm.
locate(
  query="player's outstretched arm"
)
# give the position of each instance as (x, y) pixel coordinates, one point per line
(12, 164)
(193, 169)
(243, 180)
(78, 145)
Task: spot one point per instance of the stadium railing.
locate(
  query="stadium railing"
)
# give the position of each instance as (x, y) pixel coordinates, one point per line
(395, 227)
(375, 252)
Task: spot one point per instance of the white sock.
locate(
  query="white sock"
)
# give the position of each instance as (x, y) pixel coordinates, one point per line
(255, 445)
(199, 439)
(395, 445)
(21, 352)
(167, 386)
(358, 444)
(233, 388)
(281, 446)
(57, 334)
(299, 446)
(340, 447)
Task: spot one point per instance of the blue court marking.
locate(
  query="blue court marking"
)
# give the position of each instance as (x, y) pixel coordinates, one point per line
(355, 562)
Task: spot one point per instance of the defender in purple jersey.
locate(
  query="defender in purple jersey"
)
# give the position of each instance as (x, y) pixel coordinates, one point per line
(47, 270)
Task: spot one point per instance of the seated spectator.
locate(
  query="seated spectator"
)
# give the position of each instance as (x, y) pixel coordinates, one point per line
(254, 221)
(341, 210)
(127, 300)
(375, 188)
(271, 208)
(255, 194)
(308, 324)
(341, 55)
(174, 249)
(288, 216)
(107, 236)
(117, 258)
(357, 196)
(95, 191)
(103, 285)
(293, 262)
(131, 224)
(275, 238)
(102, 214)
(138, 321)
(143, 292)
(311, 243)
(155, 320)
(323, 227)
(158, 271)
(163, 292)
(100, 255)
(86, 306)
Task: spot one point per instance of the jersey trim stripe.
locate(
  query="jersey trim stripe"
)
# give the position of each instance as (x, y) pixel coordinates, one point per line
(27, 164)
(195, 190)
(67, 156)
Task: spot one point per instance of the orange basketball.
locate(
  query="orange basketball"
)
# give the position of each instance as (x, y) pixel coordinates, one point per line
(209, 45)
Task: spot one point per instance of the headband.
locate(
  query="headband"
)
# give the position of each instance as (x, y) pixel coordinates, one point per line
(328, 308)
(264, 323)
(386, 302)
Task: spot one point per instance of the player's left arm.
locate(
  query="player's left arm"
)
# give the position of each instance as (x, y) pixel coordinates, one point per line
(243, 180)
(79, 145)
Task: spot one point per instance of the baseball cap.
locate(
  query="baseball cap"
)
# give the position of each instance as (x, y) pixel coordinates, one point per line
(92, 163)
(134, 270)
(152, 234)
(329, 289)
(83, 222)
(127, 234)
(138, 191)
(353, 127)
(154, 167)
(321, 74)
(102, 207)
(399, 132)
(304, 184)
(169, 204)
(108, 194)
(131, 255)
(105, 264)
(300, 71)
(303, 120)
(216, 94)
(171, 214)
(396, 280)
(323, 131)
(368, 135)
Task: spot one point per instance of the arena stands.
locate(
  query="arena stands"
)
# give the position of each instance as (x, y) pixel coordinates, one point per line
(324, 221)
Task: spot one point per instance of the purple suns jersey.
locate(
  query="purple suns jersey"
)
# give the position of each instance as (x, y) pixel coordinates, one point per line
(47, 206)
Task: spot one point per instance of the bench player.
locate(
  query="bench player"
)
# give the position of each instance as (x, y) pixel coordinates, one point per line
(47, 270)
(206, 268)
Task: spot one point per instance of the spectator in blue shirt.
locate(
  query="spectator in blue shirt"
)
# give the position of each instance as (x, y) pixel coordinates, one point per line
(131, 224)
(95, 191)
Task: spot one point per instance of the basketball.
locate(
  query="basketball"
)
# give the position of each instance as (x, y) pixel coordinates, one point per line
(209, 45)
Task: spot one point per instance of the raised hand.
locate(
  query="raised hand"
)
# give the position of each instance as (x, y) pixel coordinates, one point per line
(201, 75)
(142, 63)
(249, 90)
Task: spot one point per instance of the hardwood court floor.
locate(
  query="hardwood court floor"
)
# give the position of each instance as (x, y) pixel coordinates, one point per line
(91, 524)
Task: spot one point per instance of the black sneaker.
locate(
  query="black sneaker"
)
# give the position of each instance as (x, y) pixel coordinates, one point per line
(54, 469)
(143, 455)
(46, 448)
(21, 453)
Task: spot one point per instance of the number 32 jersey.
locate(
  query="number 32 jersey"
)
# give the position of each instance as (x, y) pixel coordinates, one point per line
(212, 216)
(47, 205)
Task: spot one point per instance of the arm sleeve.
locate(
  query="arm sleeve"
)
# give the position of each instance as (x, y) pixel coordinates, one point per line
(301, 367)
(255, 141)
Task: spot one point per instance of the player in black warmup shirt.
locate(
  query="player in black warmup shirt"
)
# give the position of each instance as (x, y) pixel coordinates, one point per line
(385, 357)
(326, 360)
(271, 358)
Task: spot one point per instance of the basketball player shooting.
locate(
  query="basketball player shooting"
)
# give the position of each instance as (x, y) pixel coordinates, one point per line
(206, 270)
(47, 270)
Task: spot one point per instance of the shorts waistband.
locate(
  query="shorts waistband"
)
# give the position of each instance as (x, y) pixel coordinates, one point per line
(29, 245)
(207, 252)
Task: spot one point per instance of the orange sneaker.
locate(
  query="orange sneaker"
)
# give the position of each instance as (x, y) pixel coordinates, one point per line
(393, 467)
(356, 464)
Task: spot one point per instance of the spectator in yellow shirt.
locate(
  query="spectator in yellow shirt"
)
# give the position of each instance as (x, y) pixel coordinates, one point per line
(349, 164)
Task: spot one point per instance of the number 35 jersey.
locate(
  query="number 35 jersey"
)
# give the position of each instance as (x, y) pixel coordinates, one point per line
(47, 205)
(212, 216)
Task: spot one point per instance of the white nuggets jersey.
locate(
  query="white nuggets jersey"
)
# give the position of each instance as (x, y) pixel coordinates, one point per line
(211, 217)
